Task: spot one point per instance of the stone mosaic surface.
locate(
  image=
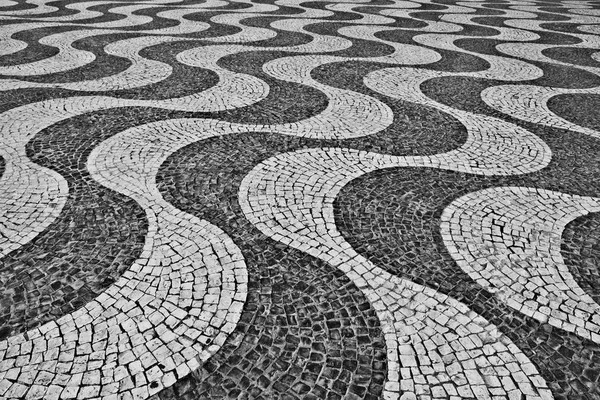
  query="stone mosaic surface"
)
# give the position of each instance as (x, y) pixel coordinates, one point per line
(288, 199)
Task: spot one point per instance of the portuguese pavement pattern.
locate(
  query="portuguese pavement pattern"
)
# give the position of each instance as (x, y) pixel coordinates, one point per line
(299, 199)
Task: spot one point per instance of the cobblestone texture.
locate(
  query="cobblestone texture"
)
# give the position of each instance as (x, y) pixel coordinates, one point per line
(299, 200)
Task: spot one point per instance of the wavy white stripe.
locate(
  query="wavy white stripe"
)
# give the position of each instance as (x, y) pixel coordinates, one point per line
(508, 240)
(290, 199)
(182, 297)
(493, 146)
(530, 103)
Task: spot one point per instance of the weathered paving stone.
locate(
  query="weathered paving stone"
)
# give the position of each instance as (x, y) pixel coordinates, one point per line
(306, 331)
(400, 232)
(97, 237)
(580, 251)
(577, 108)
(299, 199)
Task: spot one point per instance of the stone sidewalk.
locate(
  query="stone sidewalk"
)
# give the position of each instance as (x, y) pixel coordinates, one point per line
(285, 199)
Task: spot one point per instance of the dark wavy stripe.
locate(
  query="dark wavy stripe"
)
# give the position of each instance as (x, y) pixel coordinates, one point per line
(34, 50)
(557, 9)
(554, 75)
(282, 10)
(540, 14)
(15, 98)
(431, 7)
(545, 37)
(392, 217)
(283, 38)
(158, 22)
(183, 81)
(62, 10)
(103, 65)
(306, 331)
(580, 248)
(98, 235)
(338, 15)
(416, 130)
(464, 92)
(578, 56)
(105, 16)
(359, 48)
(581, 109)
(286, 101)
(563, 27)
(451, 61)
(18, 7)
(214, 30)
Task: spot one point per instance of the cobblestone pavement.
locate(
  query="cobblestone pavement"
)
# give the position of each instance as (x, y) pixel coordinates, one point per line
(297, 199)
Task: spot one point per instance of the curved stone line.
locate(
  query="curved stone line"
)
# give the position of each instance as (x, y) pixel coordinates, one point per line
(483, 138)
(348, 114)
(311, 13)
(290, 199)
(83, 11)
(287, 290)
(131, 20)
(366, 18)
(506, 33)
(530, 103)
(573, 7)
(468, 18)
(41, 7)
(493, 147)
(432, 26)
(501, 68)
(181, 298)
(84, 14)
(533, 52)
(143, 71)
(247, 33)
(453, 8)
(401, 4)
(31, 196)
(10, 45)
(508, 240)
(587, 40)
(255, 8)
(150, 134)
(70, 58)
(67, 58)
(404, 54)
(185, 26)
(319, 43)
